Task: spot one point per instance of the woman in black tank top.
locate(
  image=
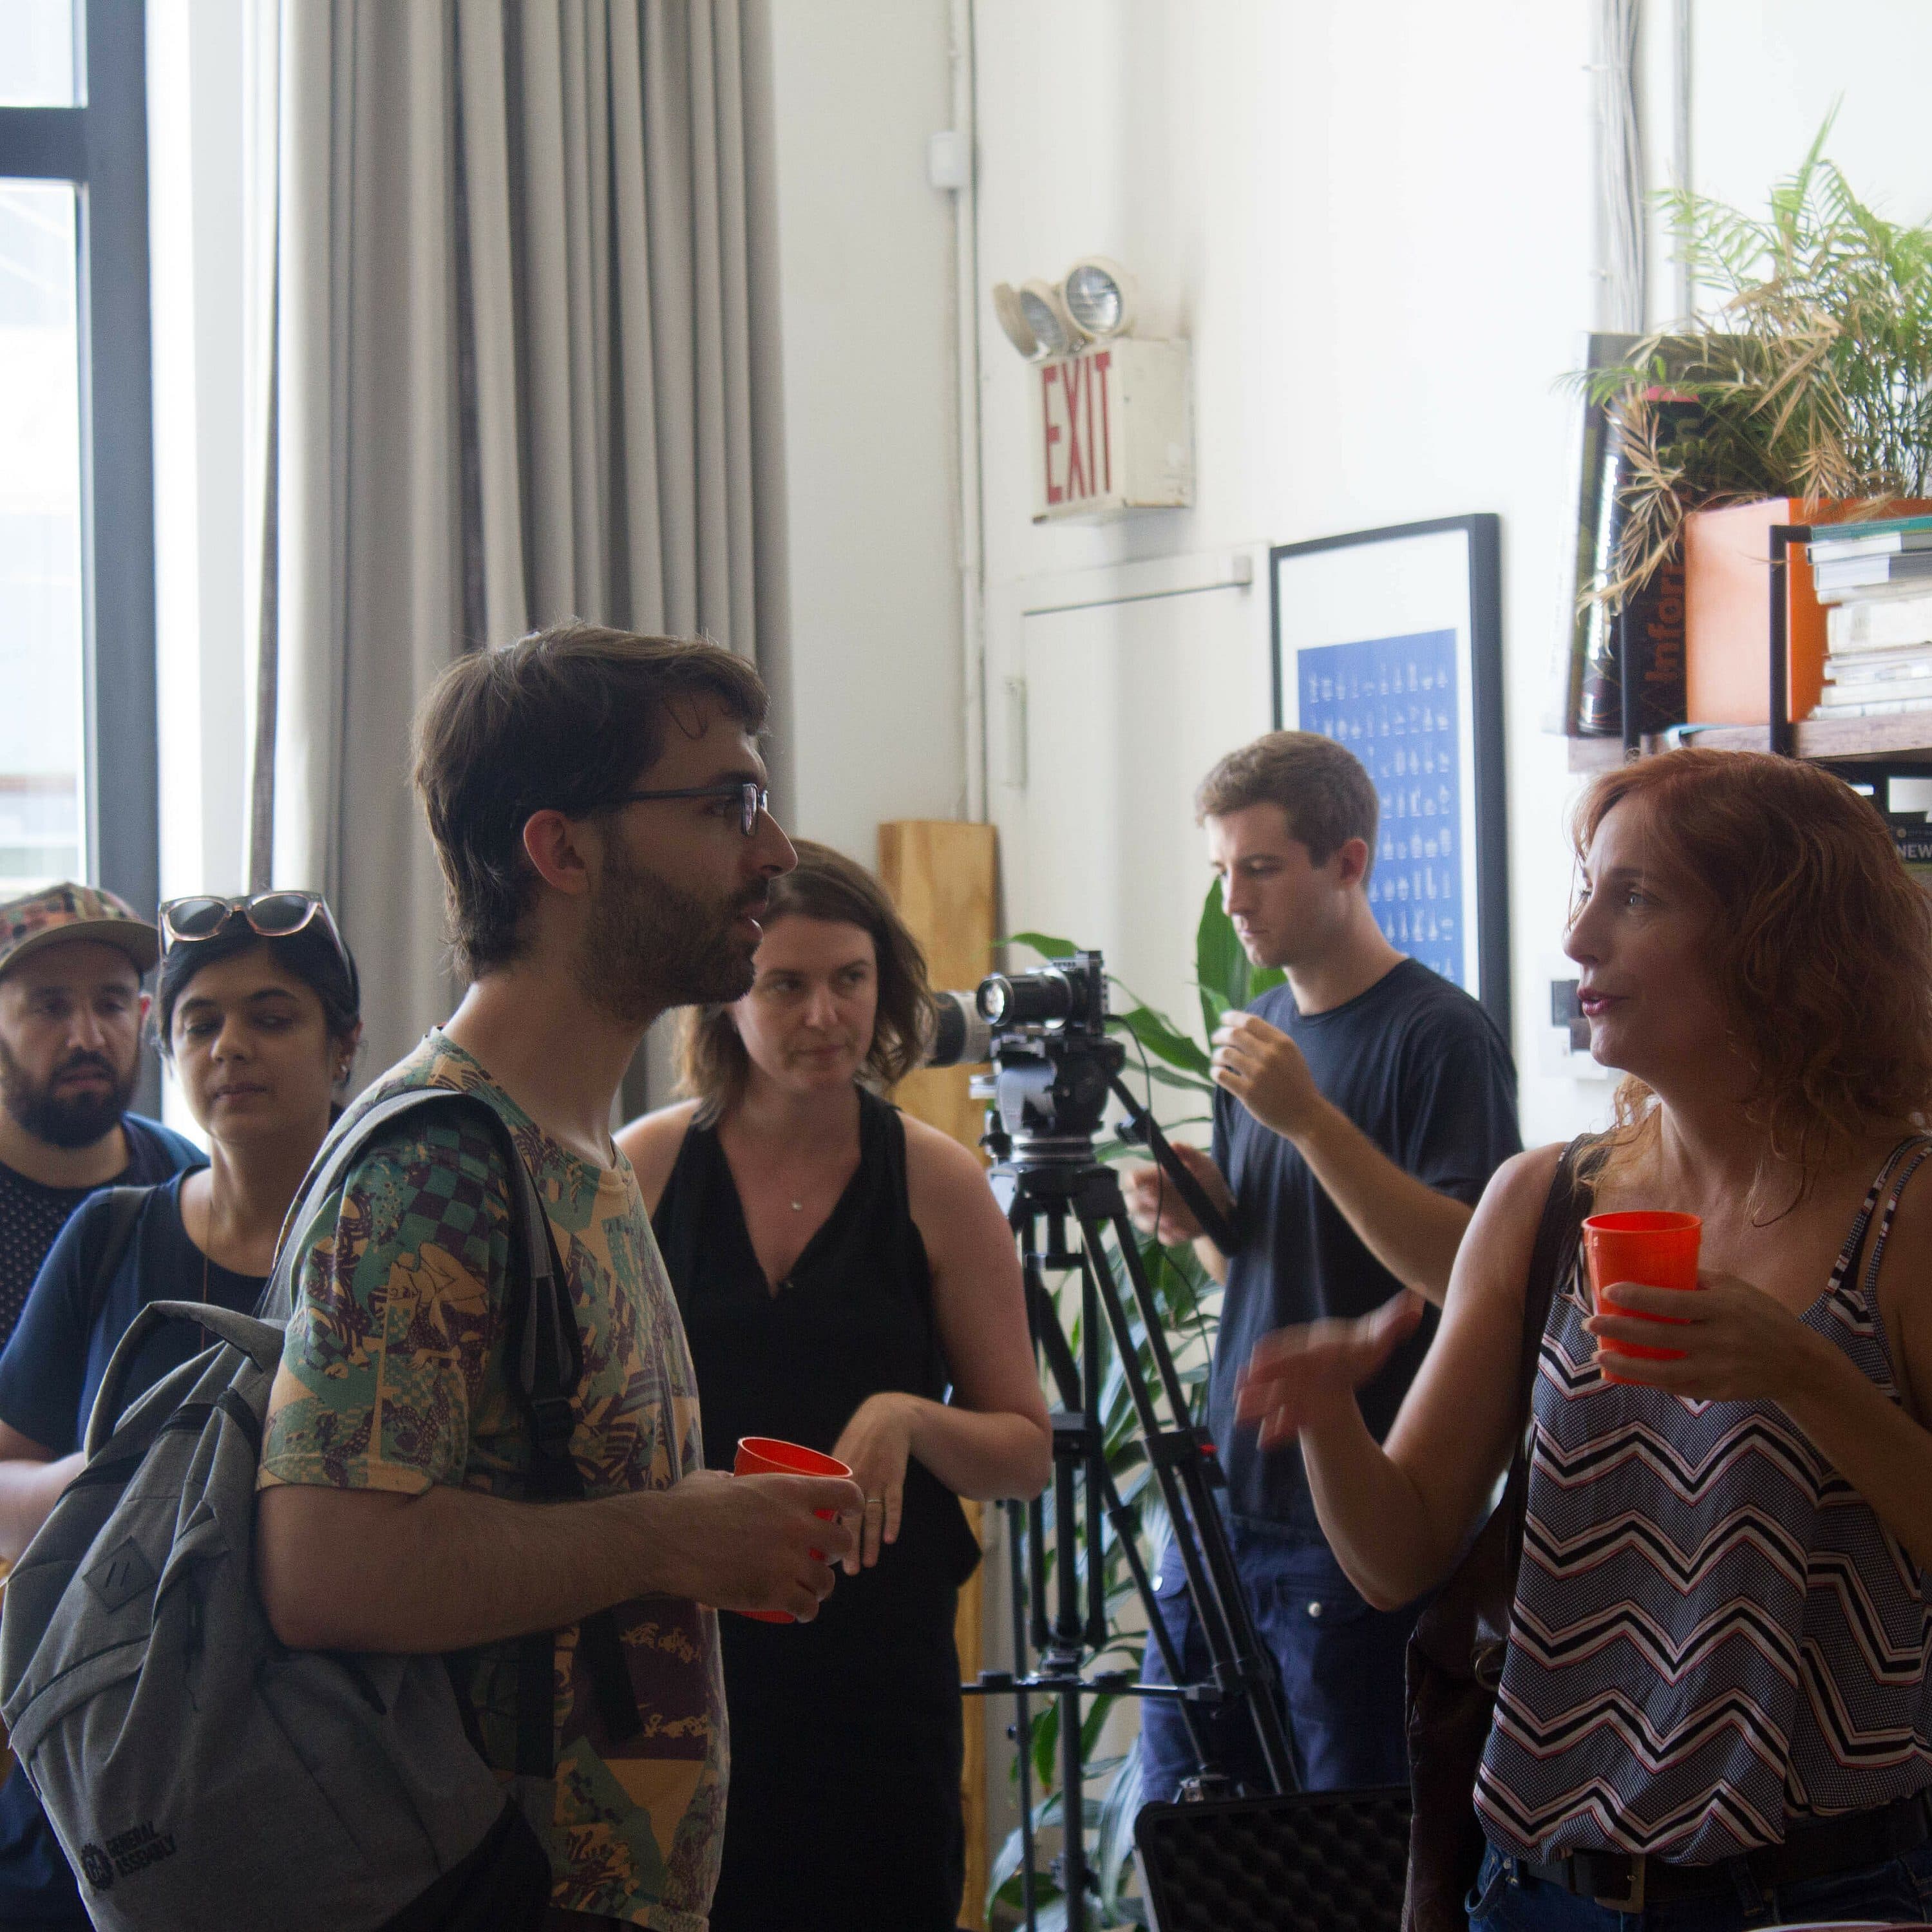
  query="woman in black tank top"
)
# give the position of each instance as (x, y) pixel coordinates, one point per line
(841, 1271)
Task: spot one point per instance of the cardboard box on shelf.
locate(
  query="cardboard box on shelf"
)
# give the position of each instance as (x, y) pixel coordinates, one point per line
(1727, 607)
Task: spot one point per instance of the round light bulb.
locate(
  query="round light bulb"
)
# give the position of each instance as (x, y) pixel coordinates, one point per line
(1006, 305)
(1045, 317)
(1098, 294)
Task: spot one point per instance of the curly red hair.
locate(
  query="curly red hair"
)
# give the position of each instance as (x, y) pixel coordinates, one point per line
(1820, 944)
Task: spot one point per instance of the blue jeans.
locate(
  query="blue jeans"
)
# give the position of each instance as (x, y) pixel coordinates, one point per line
(1898, 1892)
(1341, 1665)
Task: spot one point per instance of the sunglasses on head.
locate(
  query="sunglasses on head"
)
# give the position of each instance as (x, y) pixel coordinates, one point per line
(268, 915)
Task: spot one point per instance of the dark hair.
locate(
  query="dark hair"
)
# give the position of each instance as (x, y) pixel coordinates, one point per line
(825, 885)
(1327, 797)
(310, 955)
(565, 720)
(1819, 942)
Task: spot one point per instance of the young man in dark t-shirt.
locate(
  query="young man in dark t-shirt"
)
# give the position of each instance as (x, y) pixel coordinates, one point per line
(1363, 1107)
(71, 959)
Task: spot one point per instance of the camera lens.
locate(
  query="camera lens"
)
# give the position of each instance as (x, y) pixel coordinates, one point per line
(960, 1037)
(1032, 999)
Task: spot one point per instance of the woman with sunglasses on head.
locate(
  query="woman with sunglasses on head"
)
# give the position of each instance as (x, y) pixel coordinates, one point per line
(258, 1011)
(848, 1281)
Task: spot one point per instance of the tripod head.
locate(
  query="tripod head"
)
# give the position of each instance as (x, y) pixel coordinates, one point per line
(1054, 1065)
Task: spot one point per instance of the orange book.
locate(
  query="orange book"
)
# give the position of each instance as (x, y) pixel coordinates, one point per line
(1727, 608)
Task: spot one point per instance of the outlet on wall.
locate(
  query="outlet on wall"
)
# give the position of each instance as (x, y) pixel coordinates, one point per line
(1562, 1032)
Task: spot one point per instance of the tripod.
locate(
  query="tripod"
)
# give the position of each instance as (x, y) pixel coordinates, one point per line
(1055, 1184)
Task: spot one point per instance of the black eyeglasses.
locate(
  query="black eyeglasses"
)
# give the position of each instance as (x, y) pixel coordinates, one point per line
(267, 915)
(751, 798)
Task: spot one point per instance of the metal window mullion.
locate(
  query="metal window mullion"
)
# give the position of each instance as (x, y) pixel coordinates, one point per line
(44, 143)
(124, 801)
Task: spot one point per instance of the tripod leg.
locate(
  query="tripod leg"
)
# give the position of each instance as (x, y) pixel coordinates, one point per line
(1060, 1365)
(1015, 1513)
(1241, 1664)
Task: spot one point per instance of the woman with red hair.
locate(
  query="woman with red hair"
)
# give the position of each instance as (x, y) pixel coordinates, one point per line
(1713, 1709)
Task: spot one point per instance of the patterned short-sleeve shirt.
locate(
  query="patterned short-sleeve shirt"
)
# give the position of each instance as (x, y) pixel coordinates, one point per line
(392, 1378)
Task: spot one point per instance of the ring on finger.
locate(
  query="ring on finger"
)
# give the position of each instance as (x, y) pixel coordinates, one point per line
(874, 1503)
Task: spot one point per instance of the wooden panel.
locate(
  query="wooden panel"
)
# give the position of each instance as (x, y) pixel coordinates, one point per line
(942, 877)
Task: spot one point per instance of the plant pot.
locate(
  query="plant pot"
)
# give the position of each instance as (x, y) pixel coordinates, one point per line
(1727, 607)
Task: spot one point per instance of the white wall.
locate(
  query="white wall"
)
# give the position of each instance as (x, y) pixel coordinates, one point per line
(1374, 223)
(868, 710)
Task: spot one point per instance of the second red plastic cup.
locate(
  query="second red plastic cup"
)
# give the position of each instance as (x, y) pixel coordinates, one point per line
(1647, 1245)
(772, 1455)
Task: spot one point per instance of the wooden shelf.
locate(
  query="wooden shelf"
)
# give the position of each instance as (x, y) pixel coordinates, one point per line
(1903, 738)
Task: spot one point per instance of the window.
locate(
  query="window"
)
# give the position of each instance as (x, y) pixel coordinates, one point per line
(77, 753)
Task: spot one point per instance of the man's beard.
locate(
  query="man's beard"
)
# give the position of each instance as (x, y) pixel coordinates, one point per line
(649, 945)
(75, 1122)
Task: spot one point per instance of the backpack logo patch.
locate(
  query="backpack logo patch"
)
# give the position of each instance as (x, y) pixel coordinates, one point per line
(127, 1852)
(123, 1574)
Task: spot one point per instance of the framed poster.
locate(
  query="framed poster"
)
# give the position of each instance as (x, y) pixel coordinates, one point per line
(1390, 642)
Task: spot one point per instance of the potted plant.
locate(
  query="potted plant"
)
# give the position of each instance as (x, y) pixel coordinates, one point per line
(1805, 396)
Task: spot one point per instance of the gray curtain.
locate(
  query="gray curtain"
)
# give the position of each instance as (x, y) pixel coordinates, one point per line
(505, 376)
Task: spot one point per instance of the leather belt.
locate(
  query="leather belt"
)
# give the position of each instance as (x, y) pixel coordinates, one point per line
(1627, 1881)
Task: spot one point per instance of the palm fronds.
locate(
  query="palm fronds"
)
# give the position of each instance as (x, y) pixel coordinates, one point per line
(1813, 376)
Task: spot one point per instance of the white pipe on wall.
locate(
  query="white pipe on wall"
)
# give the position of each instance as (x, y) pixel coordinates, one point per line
(966, 302)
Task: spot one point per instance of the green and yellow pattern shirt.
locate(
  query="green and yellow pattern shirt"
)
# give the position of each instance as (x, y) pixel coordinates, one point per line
(392, 1378)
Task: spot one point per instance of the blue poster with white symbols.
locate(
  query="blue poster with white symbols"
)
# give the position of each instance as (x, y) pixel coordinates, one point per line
(1393, 702)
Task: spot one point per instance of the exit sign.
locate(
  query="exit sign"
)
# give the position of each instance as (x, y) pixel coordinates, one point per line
(1113, 431)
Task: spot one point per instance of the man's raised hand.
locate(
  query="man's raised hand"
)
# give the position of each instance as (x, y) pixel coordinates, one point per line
(1264, 1070)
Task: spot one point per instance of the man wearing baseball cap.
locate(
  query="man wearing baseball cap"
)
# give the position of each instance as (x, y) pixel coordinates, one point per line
(71, 1006)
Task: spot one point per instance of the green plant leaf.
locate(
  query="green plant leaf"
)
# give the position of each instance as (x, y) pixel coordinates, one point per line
(1115, 1839)
(1221, 966)
(1162, 1038)
(1044, 944)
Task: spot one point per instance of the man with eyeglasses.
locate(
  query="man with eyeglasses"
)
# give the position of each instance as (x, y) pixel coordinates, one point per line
(598, 803)
(71, 961)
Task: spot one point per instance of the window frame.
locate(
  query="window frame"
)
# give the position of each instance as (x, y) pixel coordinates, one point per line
(102, 149)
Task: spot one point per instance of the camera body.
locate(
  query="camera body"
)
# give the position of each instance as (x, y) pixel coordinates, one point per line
(1046, 1034)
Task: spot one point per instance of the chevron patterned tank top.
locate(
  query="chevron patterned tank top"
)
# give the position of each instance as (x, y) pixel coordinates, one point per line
(1713, 1634)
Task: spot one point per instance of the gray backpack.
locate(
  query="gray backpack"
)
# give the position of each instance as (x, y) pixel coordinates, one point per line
(199, 1774)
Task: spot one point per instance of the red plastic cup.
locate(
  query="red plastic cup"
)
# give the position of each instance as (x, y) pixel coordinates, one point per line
(1646, 1245)
(771, 1455)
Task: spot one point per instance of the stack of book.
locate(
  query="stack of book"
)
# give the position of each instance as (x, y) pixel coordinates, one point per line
(1876, 580)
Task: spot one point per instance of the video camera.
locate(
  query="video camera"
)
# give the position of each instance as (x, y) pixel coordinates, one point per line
(1044, 1033)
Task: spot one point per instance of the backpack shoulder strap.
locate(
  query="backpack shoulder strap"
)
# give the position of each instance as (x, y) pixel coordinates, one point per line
(104, 1243)
(261, 1341)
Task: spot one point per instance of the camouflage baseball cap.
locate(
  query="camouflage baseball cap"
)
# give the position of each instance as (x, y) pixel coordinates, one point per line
(68, 912)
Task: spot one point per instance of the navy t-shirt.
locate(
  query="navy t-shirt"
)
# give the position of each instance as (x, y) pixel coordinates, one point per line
(1421, 1070)
(31, 1214)
(54, 1361)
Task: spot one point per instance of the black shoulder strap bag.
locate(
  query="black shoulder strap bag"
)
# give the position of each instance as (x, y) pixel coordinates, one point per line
(1456, 1654)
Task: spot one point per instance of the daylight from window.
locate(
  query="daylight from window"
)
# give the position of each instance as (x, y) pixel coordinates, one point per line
(41, 732)
(39, 63)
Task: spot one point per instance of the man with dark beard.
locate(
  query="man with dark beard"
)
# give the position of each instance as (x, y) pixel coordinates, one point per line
(71, 959)
(598, 804)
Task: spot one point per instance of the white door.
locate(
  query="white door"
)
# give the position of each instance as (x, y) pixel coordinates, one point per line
(1126, 706)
